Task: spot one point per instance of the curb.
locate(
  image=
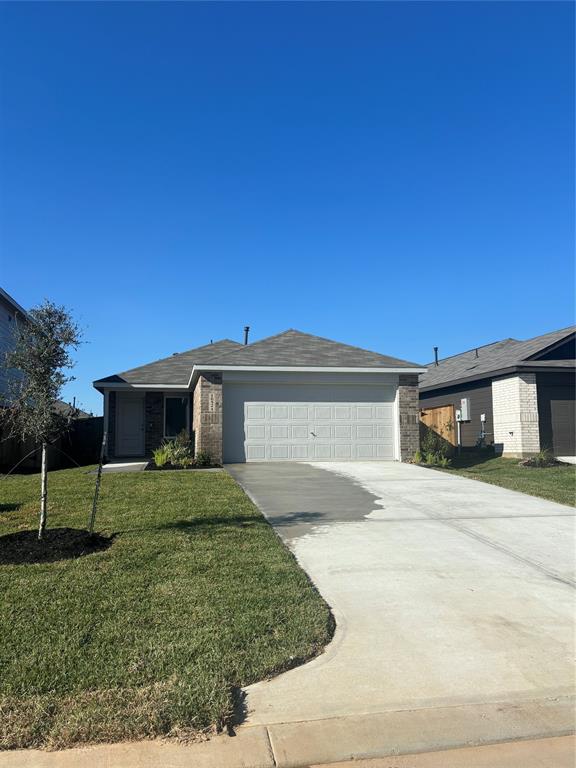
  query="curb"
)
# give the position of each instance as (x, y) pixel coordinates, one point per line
(296, 745)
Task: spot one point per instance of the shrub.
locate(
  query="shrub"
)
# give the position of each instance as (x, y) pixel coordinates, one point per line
(433, 443)
(436, 459)
(544, 458)
(203, 459)
(161, 455)
(417, 458)
(177, 452)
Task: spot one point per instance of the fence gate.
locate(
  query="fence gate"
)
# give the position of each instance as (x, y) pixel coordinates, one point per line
(442, 420)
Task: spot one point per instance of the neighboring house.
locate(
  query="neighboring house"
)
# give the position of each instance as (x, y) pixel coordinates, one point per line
(525, 389)
(288, 397)
(82, 442)
(11, 313)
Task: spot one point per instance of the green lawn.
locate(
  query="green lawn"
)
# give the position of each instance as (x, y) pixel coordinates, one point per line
(195, 597)
(556, 483)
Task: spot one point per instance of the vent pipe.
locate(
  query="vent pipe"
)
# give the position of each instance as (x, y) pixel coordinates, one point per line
(435, 355)
(246, 332)
(476, 350)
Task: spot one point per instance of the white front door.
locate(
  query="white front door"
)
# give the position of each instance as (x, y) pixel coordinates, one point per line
(309, 423)
(129, 424)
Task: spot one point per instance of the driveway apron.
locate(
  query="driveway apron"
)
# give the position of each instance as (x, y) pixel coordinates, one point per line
(447, 593)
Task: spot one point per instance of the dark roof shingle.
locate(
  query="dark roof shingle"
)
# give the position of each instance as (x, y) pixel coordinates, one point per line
(297, 349)
(480, 362)
(175, 369)
(288, 349)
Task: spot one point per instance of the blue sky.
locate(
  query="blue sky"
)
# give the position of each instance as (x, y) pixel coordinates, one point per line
(391, 175)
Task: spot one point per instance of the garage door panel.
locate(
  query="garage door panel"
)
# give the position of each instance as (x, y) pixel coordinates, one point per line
(256, 452)
(343, 431)
(358, 426)
(256, 431)
(342, 412)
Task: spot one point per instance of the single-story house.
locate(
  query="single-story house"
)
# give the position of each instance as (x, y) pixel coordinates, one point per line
(519, 394)
(289, 397)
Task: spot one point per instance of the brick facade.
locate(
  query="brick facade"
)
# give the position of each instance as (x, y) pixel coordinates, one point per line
(516, 421)
(153, 421)
(207, 419)
(408, 415)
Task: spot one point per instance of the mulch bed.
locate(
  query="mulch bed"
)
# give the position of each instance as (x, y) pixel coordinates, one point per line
(151, 467)
(57, 544)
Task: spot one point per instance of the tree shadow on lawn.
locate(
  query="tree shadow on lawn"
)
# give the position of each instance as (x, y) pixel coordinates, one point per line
(10, 507)
(58, 544)
(210, 521)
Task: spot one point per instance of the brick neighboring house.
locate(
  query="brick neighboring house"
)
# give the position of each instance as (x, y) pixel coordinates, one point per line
(525, 389)
(288, 397)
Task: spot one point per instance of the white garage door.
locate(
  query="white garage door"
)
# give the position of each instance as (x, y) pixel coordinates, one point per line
(317, 423)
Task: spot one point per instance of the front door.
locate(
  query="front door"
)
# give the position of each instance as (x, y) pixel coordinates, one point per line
(129, 424)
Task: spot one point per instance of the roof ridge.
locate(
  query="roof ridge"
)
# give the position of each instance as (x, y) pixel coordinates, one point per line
(472, 349)
(231, 353)
(253, 343)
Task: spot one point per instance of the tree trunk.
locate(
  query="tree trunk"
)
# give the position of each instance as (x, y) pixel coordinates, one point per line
(44, 492)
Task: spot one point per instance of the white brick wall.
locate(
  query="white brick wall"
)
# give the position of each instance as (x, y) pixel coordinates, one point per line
(515, 405)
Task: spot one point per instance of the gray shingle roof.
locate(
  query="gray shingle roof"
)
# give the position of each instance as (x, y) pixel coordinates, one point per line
(290, 348)
(296, 349)
(491, 357)
(175, 369)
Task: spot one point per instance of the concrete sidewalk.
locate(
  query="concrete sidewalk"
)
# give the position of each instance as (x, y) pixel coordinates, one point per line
(252, 749)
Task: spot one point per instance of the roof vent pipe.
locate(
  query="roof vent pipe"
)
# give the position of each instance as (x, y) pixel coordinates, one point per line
(435, 355)
(476, 350)
(246, 332)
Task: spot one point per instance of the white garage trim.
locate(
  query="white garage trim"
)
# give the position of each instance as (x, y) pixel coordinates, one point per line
(197, 369)
(296, 418)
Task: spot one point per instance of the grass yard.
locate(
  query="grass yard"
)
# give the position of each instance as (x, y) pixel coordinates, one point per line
(554, 483)
(195, 597)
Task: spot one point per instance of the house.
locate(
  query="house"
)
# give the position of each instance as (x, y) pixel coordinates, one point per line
(288, 397)
(11, 313)
(85, 436)
(523, 389)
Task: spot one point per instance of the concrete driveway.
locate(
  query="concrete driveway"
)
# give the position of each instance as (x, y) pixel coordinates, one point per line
(454, 603)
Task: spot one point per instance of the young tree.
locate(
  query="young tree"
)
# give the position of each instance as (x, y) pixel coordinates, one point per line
(41, 355)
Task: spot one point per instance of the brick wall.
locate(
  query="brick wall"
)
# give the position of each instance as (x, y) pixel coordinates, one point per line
(207, 408)
(516, 423)
(153, 421)
(408, 414)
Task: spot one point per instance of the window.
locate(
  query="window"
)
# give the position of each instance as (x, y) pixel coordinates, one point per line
(175, 415)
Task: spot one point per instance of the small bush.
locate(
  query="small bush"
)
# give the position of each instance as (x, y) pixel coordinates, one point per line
(544, 458)
(161, 455)
(417, 458)
(433, 443)
(177, 452)
(435, 459)
(203, 459)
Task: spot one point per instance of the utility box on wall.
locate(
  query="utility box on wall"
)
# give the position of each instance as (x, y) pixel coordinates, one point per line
(465, 409)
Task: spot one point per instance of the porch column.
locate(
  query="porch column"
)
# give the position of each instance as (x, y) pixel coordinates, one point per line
(408, 415)
(207, 420)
